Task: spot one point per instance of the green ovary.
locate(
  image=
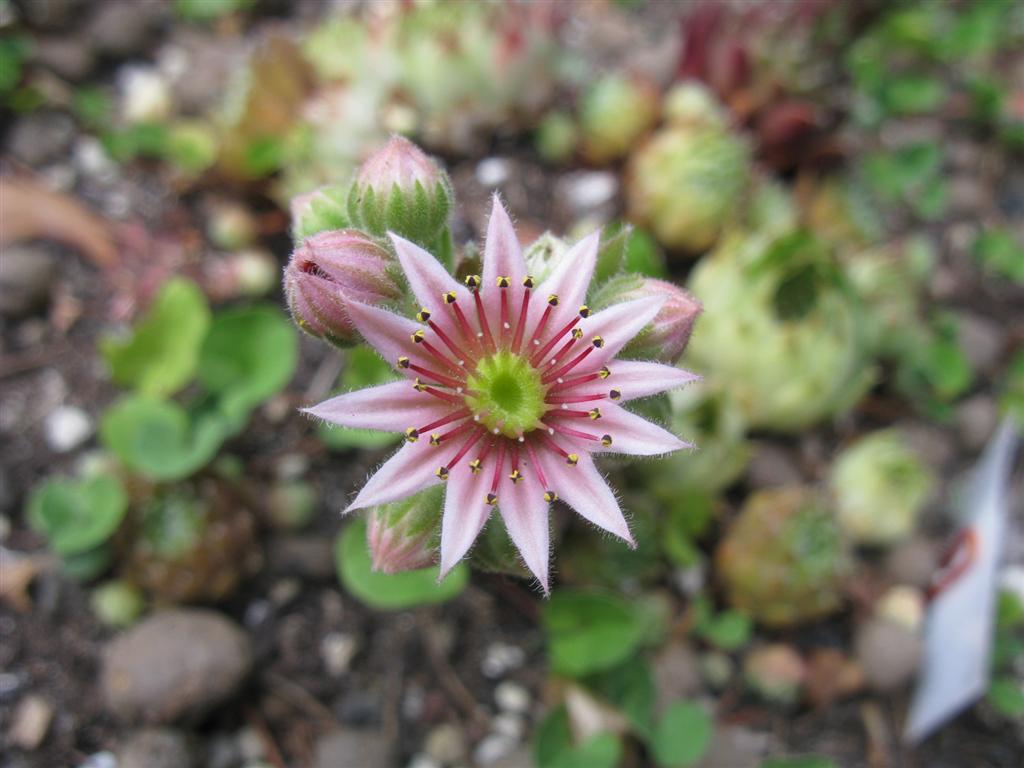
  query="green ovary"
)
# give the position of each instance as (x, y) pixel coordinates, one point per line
(507, 394)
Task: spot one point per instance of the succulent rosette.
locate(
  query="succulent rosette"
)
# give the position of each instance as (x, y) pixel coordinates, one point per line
(511, 388)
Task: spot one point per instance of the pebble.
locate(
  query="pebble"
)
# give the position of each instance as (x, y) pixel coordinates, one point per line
(27, 273)
(493, 747)
(120, 28)
(30, 722)
(588, 191)
(250, 745)
(352, 747)
(174, 664)
(501, 658)
(337, 649)
(66, 428)
(40, 136)
(775, 672)
(445, 744)
(981, 340)
(676, 672)
(932, 443)
(145, 95)
(493, 171)
(888, 653)
(512, 697)
(736, 747)
(100, 760)
(92, 160)
(420, 760)
(772, 466)
(156, 748)
(68, 56)
(690, 581)
(307, 557)
(509, 725)
(976, 420)
(716, 669)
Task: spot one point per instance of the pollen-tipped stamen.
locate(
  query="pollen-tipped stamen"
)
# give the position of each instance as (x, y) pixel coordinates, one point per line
(460, 354)
(524, 309)
(582, 378)
(503, 284)
(446, 396)
(485, 328)
(548, 378)
(492, 497)
(473, 440)
(440, 378)
(552, 303)
(573, 399)
(554, 340)
(441, 422)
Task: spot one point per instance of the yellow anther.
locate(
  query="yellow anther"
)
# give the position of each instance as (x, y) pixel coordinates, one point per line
(412, 435)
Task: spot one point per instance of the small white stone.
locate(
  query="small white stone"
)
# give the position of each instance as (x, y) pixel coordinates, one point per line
(145, 95)
(590, 189)
(492, 171)
(337, 650)
(421, 760)
(494, 747)
(66, 428)
(250, 745)
(500, 658)
(509, 725)
(100, 760)
(512, 697)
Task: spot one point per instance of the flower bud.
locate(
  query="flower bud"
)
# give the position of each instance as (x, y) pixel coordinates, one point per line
(402, 536)
(331, 269)
(399, 189)
(318, 211)
(666, 337)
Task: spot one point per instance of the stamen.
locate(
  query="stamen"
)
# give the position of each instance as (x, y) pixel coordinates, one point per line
(482, 317)
(464, 450)
(492, 497)
(442, 472)
(584, 311)
(524, 308)
(472, 282)
(438, 377)
(419, 386)
(441, 422)
(412, 435)
(569, 432)
(459, 353)
(593, 414)
(614, 394)
(467, 331)
(568, 366)
(549, 495)
(436, 439)
(477, 464)
(570, 399)
(554, 340)
(570, 458)
(420, 338)
(552, 303)
(581, 379)
(515, 476)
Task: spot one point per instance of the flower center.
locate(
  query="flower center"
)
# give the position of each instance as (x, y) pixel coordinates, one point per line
(507, 394)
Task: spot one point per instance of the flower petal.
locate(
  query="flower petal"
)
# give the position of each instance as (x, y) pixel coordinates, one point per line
(569, 281)
(525, 512)
(584, 489)
(503, 256)
(635, 435)
(388, 333)
(617, 326)
(430, 281)
(635, 379)
(390, 407)
(409, 470)
(465, 512)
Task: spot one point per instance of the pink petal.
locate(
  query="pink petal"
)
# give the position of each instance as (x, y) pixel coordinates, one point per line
(633, 434)
(411, 469)
(617, 326)
(465, 512)
(584, 489)
(429, 281)
(502, 255)
(635, 379)
(525, 512)
(390, 408)
(388, 333)
(569, 282)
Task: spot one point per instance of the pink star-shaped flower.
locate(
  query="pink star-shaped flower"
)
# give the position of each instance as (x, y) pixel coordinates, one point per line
(511, 388)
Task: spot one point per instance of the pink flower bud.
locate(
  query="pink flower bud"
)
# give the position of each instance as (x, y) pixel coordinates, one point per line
(402, 536)
(399, 189)
(330, 270)
(666, 337)
(400, 163)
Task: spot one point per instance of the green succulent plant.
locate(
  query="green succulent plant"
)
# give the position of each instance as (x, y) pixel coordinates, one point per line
(783, 560)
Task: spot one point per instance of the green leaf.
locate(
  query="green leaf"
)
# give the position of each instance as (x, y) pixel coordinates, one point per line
(77, 516)
(682, 736)
(643, 255)
(208, 10)
(999, 252)
(590, 632)
(729, 630)
(1006, 696)
(161, 355)
(630, 689)
(809, 761)
(914, 94)
(248, 355)
(390, 592)
(363, 368)
(553, 746)
(159, 439)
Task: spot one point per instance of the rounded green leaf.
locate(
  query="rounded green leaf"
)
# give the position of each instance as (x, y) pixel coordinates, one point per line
(77, 516)
(682, 736)
(160, 356)
(554, 747)
(158, 439)
(590, 632)
(395, 591)
(248, 355)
